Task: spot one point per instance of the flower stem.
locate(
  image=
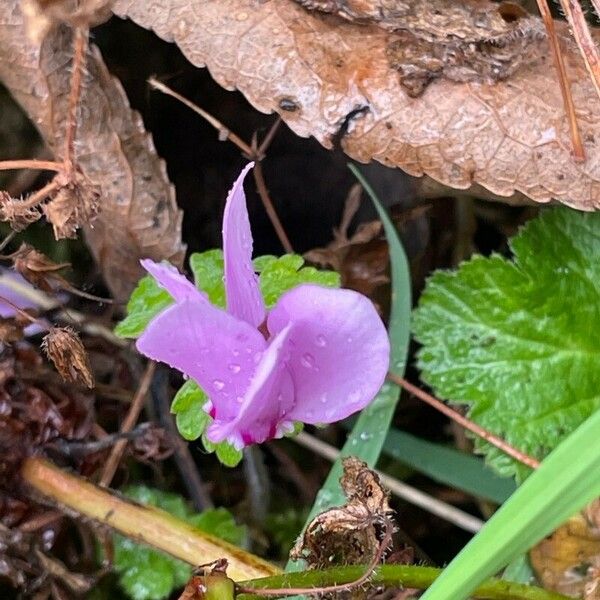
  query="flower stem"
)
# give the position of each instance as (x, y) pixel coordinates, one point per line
(146, 524)
(405, 576)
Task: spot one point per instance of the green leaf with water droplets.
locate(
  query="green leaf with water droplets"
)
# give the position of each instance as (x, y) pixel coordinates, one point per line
(207, 268)
(146, 301)
(278, 275)
(517, 339)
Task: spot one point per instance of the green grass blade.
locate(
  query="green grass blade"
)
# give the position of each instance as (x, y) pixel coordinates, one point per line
(566, 481)
(368, 434)
(448, 466)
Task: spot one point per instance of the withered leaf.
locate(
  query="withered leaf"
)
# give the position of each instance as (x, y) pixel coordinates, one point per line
(348, 534)
(361, 260)
(139, 216)
(316, 69)
(568, 561)
(37, 268)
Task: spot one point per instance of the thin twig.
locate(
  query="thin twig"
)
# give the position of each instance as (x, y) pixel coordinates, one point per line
(183, 459)
(252, 151)
(8, 239)
(464, 422)
(583, 37)
(110, 468)
(261, 186)
(563, 80)
(37, 197)
(70, 316)
(23, 313)
(402, 490)
(80, 44)
(33, 163)
(224, 132)
(388, 528)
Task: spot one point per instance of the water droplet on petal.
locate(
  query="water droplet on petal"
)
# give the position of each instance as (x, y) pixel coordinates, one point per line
(240, 399)
(349, 339)
(236, 352)
(324, 398)
(234, 368)
(321, 341)
(307, 360)
(218, 384)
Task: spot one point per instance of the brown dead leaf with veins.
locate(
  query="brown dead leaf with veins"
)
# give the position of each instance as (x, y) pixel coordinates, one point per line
(348, 534)
(64, 348)
(568, 561)
(139, 216)
(315, 69)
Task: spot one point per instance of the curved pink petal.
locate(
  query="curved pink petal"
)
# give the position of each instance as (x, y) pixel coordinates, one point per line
(269, 398)
(170, 279)
(339, 351)
(217, 350)
(244, 299)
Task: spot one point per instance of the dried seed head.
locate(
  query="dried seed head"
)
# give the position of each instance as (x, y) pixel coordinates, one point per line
(75, 204)
(16, 213)
(64, 348)
(37, 268)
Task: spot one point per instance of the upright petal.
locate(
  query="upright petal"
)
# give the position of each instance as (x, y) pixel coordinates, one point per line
(217, 350)
(244, 299)
(339, 351)
(269, 398)
(170, 279)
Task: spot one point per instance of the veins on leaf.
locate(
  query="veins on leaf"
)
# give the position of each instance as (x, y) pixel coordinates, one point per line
(464, 41)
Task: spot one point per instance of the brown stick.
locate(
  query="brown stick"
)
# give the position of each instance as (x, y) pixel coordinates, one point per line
(33, 163)
(583, 37)
(464, 422)
(80, 45)
(565, 88)
(110, 468)
(71, 493)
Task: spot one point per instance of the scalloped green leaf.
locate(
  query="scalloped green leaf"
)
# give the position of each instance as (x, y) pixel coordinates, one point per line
(207, 268)
(517, 340)
(278, 275)
(147, 574)
(187, 406)
(146, 301)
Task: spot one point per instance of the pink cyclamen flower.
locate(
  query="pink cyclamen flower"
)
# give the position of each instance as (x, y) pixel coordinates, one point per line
(320, 354)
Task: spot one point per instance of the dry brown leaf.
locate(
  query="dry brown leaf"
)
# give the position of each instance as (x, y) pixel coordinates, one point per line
(138, 214)
(64, 348)
(316, 70)
(568, 561)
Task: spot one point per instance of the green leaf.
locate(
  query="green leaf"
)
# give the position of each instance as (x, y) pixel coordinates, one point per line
(367, 437)
(278, 275)
(565, 482)
(146, 301)
(187, 406)
(518, 339)
(207, 268)
(192, 421)
(147, 574)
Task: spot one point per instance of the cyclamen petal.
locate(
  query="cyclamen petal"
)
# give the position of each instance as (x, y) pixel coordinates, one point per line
(264, 407)
(244, 299)
(339, 351)
(214, 348)
(170, 279)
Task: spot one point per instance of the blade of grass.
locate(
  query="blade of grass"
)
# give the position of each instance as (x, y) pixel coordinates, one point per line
(368, 434)
(445, 465)
(566, 481)
(448, 466)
